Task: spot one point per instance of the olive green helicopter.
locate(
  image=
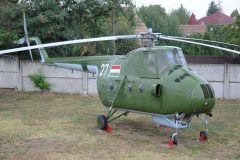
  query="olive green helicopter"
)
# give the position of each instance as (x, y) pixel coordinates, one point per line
(152, 80)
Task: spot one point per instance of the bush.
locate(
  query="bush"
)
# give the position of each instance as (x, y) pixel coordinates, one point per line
(39, 81)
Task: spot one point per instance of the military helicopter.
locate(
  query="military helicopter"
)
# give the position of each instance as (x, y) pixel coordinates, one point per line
(152, 80)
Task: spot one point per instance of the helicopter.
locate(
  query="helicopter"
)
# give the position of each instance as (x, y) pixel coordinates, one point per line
(152, 80)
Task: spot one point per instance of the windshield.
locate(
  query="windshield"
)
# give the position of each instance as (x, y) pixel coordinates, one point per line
(176, 57)
(156, 62)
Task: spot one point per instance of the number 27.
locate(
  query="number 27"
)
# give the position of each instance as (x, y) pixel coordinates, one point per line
(104, 68)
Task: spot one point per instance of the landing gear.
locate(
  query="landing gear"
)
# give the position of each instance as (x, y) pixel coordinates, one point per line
(173, 140)
(203, 136)
(103, 121)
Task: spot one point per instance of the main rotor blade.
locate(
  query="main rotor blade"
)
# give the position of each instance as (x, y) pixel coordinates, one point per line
(47, 45)
(198, 43)
(204, 40)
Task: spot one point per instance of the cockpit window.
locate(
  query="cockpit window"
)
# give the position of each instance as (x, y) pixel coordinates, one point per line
(151, 61)
(162, 61)
(183, 60)
(176, 57)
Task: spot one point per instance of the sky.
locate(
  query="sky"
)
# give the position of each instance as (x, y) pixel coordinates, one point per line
(198, 7)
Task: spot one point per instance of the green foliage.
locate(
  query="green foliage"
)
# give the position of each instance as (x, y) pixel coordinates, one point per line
(155, 16)
(213, 34)
(182, 14)
(235, 13)
(39, 81)
(54, 21)
(213, 7)
(232, 32)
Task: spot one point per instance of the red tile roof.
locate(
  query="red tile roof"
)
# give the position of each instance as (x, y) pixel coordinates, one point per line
(140, 26)
(217, 18)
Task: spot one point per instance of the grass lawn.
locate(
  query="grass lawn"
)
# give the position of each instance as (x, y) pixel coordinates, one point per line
(59, 126)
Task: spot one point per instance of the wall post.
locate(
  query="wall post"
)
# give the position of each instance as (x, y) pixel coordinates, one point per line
(20, 75)
(85, 83)
(226, 81)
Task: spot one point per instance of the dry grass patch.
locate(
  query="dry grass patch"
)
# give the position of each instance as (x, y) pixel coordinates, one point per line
(58, 126)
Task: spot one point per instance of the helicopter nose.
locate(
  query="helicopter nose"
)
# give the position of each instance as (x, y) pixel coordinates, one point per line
(203, 98)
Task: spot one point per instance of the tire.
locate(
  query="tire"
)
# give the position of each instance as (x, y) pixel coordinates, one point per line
(102, 122)
(204, 134)
(175, 140)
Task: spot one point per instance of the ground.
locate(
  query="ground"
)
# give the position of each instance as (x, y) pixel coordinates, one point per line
(59, 126)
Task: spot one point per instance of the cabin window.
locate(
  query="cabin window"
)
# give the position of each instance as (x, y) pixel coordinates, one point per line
(176, 57)
(183, 60)
(151, 61)
(162, 61)
(170, 57)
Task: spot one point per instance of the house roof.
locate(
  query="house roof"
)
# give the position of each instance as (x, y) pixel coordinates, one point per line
(190, 29)
(217, 18)
(140, 26)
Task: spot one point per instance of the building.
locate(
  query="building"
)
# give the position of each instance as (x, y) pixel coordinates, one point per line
(217, 18)
(200, 26)
(140, 26)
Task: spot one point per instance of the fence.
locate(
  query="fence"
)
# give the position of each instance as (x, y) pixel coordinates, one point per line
(225, 78)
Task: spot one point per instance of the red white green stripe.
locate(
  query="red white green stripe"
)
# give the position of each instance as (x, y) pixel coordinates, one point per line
(115, 70)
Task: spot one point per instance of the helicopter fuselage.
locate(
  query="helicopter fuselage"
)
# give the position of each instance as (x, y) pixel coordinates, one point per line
(154, 80)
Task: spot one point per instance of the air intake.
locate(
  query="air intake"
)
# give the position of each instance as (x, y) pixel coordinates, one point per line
(207, 91)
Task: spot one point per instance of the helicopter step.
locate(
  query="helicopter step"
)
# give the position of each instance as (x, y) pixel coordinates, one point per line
(177, 121)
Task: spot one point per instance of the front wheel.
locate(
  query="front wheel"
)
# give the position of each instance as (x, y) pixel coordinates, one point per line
(203, 135)
(102, 122)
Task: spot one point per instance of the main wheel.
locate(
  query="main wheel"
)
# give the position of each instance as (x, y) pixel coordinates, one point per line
(174, 138)
(102, 122)
(203, 135)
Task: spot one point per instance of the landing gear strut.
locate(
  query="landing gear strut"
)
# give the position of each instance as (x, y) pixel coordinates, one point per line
(103, 121)
(203, 136)
(173, 140)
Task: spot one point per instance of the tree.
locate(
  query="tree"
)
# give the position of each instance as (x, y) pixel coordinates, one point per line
(232, 32)
(182, 14)
(235, 13)
(155, 16)
(192, 20)
(54, 21)
(213, 7)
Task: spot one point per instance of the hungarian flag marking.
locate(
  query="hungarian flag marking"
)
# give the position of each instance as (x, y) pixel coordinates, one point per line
(115, 70)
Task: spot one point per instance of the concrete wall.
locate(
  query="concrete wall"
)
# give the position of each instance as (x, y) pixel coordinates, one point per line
(225, 78)
(14, 74)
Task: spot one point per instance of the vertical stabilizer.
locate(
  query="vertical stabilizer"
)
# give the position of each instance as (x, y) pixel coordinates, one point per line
(42, 51)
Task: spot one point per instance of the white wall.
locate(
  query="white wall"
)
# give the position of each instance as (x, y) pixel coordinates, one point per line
(225, 78)
(62, 80)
